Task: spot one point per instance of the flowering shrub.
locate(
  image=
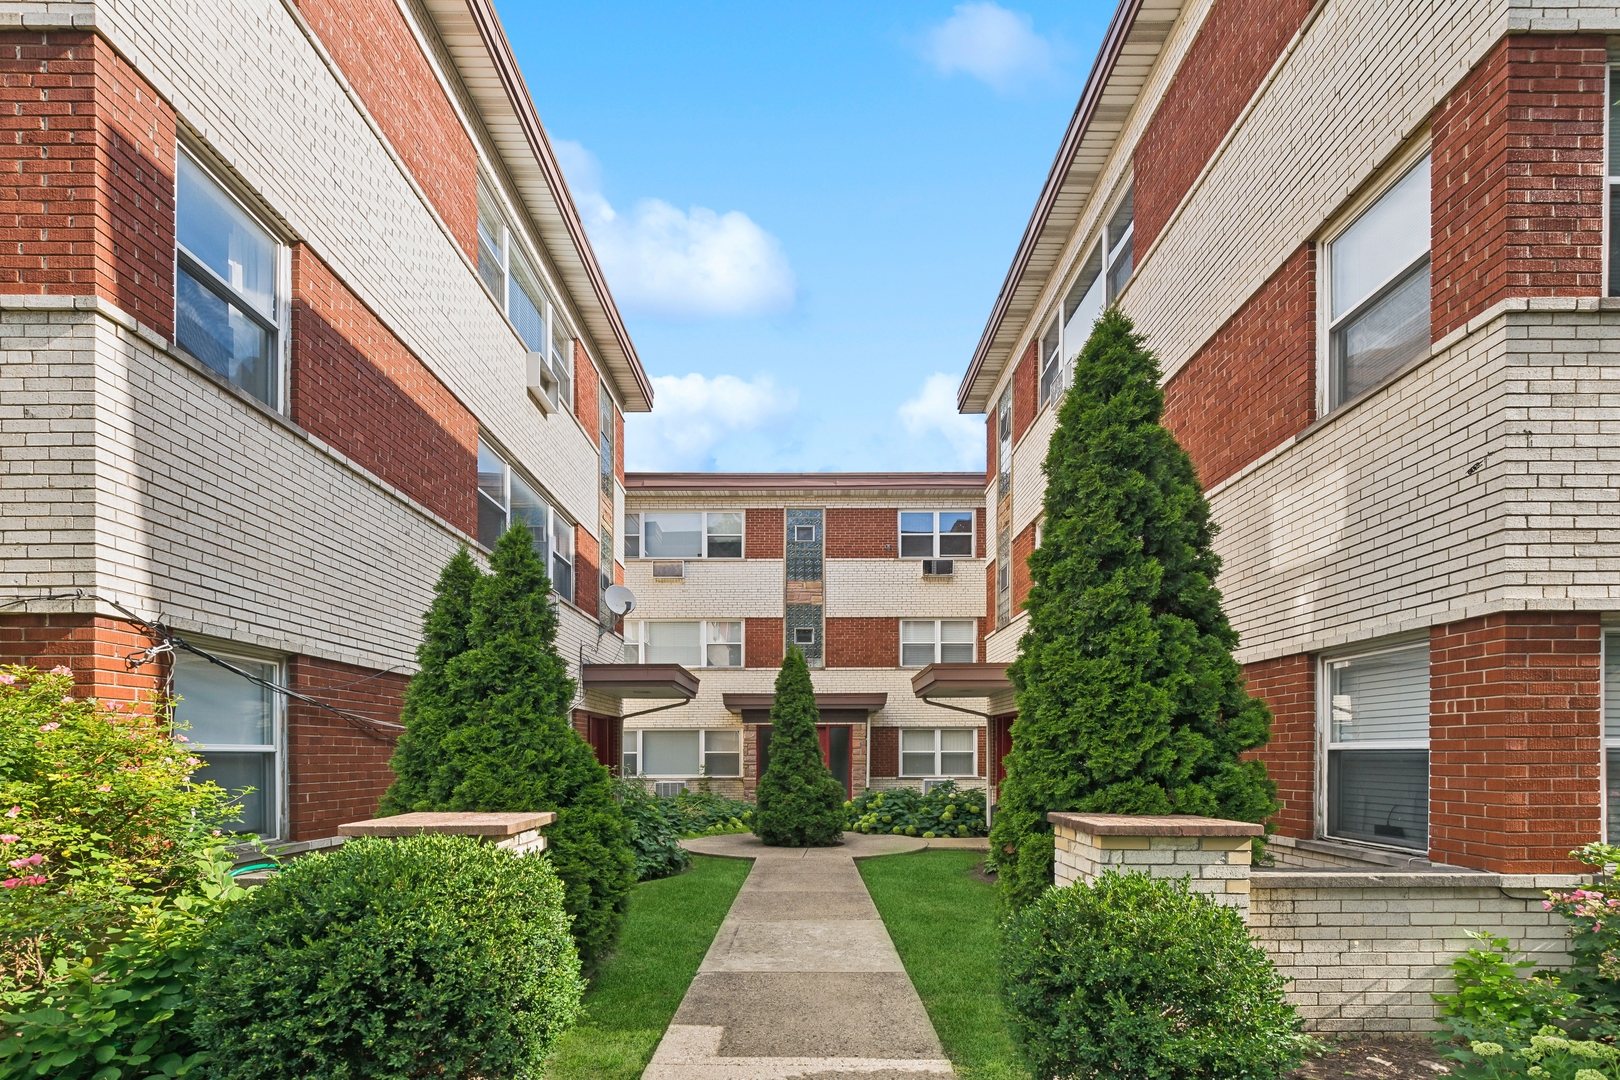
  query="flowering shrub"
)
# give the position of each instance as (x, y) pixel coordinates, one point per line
(99, 817)
(1550, 1054)
(944, 811)
(1593, 912)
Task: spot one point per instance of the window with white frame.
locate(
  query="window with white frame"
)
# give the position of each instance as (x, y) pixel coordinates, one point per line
(1378, 289)
(228, 313)
(936, 641)
(1004, 441)
(939, 751)
(1004, 578)
(505, 499)
(1082, 305)
(606, 434)
(1117, 242)
(1051, 354)
(632, 536)
(686, 535)
(515, 286)
(1611, 730)
(684, 753)
(235, 725)
(1377, 744)
(936, 534)
(690, 643)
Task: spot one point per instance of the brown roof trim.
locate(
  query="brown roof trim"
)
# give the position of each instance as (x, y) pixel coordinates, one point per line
(650, 482)
(1107, 56)
(493, 35)
(640, 680)
(960, 680)
(870, 703)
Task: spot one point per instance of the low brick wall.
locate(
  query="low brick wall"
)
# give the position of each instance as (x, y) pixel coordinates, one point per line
(1213, 855)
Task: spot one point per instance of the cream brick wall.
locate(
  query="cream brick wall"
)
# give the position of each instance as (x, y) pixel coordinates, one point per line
(1001, 647)
(1028, 479)
(1563, 18)
(896, 588)
(1215, 866)
(712, 589)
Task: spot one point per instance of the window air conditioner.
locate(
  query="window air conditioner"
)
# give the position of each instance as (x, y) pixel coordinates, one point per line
(938, 567)
(542, 382)
(930, 785)
(669, 570)
(668, 789)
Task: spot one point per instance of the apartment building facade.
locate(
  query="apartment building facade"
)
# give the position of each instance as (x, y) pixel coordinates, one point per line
(876, 578)
(295, 303)
(1373, 247)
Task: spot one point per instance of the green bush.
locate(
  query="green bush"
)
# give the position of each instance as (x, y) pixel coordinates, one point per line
(1491, 993)
(655, 831)
(1129, 699)
(703, 813)
(801, 803)
(944, 811)
(1138, 976)
(427, 956)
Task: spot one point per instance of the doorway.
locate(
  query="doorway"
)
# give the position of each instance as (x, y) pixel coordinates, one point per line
(835, 744)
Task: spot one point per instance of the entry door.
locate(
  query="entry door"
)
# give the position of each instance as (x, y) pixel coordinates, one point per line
(835, 743)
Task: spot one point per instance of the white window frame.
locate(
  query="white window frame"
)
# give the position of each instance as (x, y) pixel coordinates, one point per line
(1325, 743)
(1608, 649)
(1004, 611)
(937, 774)
(938, 642)
(934, 553)
(556, 371)
(635, 640)
(230, 652)
(640, 518)
(279, 327)
(632, 745)
(556, 522)
(1057, 368)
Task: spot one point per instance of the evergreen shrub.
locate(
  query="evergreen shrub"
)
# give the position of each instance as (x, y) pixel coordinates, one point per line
(1138, 976)
(655, 831)
(424, 956)
(1129, 699)
(944, 811)
(488, 729)
(799, 801)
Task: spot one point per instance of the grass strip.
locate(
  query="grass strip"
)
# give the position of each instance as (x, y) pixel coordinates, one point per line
(943, 919)
(639, 985)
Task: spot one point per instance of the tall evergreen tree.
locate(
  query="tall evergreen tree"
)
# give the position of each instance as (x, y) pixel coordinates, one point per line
(1129, 699)
(799, 802)
(496, 715)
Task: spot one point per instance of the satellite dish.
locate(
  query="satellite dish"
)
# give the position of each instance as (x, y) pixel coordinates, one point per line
(620, 600)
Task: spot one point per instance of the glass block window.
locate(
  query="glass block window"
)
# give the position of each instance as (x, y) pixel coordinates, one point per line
(1611, 729)
(1378, 747)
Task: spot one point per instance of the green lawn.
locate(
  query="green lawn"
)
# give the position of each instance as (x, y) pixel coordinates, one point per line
(943, 919)
(638, 987)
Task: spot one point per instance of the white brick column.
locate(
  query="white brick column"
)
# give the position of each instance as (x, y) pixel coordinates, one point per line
(1214, 855)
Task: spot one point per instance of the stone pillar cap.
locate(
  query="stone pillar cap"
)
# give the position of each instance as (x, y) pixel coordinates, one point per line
(1154, 825)
(458, 824)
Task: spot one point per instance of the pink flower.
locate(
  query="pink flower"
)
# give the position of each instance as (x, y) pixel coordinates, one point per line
(180, 738)
(61, 669)
(14, 811)
(1546, 905)
(52, 726)
(35, 879)
(33, 860)
(9, 838)
(67, 699)
(193, 762)
(103, 787)
(7, 678)
(10, 883)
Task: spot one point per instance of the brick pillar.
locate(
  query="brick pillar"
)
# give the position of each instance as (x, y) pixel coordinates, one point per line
(1213, 855)
(1515, 741)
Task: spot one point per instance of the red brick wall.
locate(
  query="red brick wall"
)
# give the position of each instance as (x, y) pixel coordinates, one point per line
(1025, 383)
(1253, 384)
(1023, 546)
(87, 185)
(587, 564)
(979, 548)
(382, 61)
(1235, 48)
(94, 647)
(854, 533)
(1288, 685)
(982, 756)
(885, 751)
(762, 642)
(863, 643)
(358, 387)
(335, 772)
(1517, 196)
(764, 533)
(587, 394)
(1515, 740)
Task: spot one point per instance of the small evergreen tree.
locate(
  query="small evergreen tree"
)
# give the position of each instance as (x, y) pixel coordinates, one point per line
(799, 802)
(489, 731)
(1129, 700)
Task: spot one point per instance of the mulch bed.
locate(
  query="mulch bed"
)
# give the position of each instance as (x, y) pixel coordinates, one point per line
(1375, 1057)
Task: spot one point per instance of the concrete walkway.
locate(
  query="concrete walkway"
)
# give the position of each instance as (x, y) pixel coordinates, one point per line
(802, 980)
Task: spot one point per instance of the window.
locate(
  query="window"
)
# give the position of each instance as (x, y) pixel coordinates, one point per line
(936, 641)
(491, 248)
(1117, 242)
(683, 753)
(607, 460)
(515, 287)
(1081, 307)
(804, 635)
(1004, 444)
(506, 499)
(1378, 302)
(1050, 368)
(562, 360)
(689, 535)
(938, 751)
(689, 643)
(804, 534)
(604, 576)
(1004, 578)
(632, 536)
(943, 534)
(226, 309)
(235, 723)
(1378, 747)
(1611, 729)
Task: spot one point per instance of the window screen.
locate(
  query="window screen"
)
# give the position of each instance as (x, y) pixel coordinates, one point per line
(672, 536)
(1378, 753)
(231, 721)
(722, 753)
(669, 753)
(673, 643)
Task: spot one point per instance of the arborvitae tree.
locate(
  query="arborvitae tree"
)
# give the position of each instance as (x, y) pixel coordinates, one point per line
(498, 718)
(799, 803)
(1129, 700)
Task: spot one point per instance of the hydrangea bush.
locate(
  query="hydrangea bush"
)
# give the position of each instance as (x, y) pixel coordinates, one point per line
(945, 811)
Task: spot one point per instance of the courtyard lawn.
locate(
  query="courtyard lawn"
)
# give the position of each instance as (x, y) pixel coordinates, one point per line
(942, 916)
(639, 985)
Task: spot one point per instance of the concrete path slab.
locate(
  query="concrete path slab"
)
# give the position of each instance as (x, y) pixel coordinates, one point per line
(802, 981)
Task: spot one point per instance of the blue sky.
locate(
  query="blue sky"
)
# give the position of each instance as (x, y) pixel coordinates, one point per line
(804, 211)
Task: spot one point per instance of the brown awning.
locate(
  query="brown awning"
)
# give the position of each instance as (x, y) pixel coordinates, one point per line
(960, 680)
(867, 703)
(640, 680)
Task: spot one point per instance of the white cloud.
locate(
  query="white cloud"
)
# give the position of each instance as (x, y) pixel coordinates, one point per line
(932, 415)
(992, 44)
(694, 414)
(662, 260)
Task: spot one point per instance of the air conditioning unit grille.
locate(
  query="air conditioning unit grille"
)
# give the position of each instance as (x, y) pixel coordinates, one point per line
(938, 567)
(669, 569)
(668, 789)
